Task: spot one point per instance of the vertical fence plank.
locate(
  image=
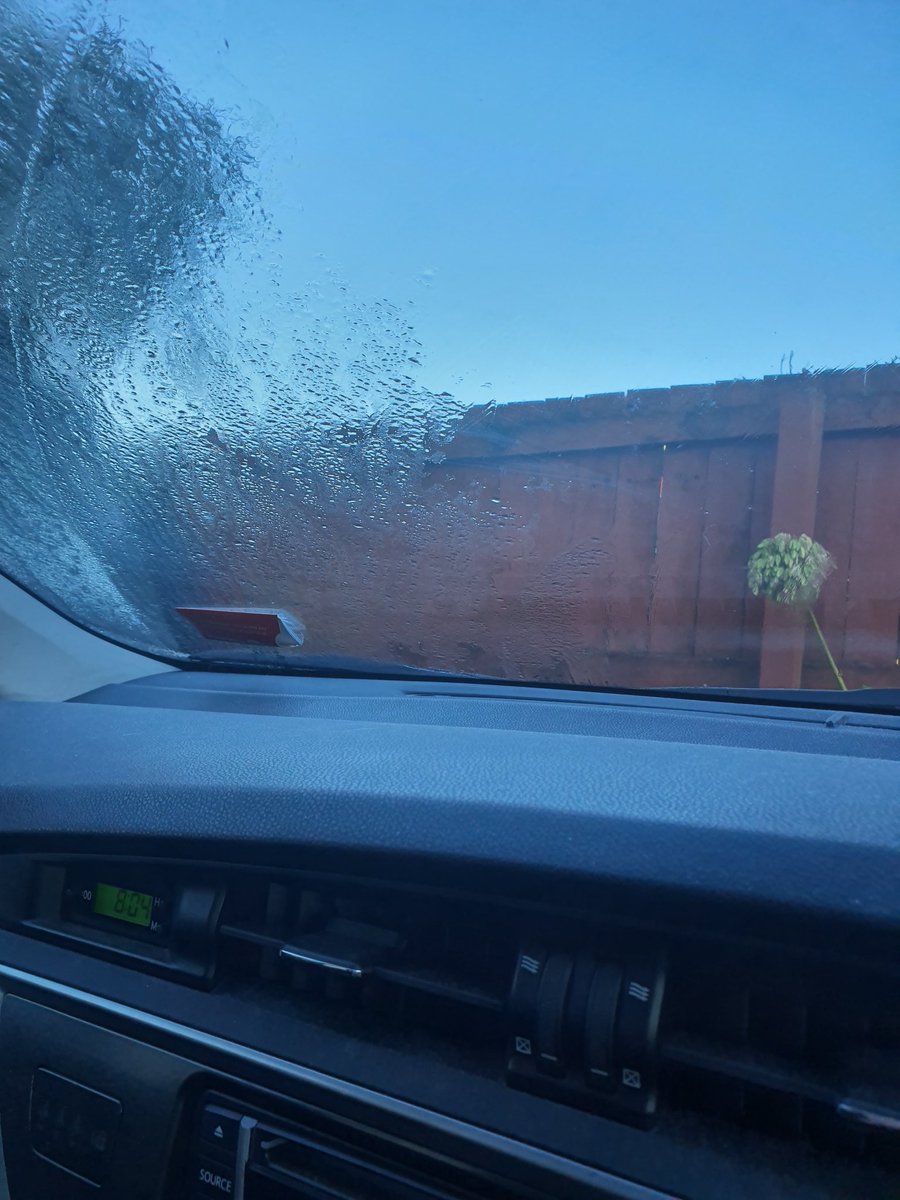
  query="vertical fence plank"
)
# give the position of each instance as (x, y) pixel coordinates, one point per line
(725, 542)
(760, 524)
(634, 539)
(679, 534)
(834, 529)
(797, 460)
(583, 566)
(873, 598)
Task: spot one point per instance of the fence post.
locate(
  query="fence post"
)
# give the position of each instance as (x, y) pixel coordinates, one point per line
(794, 494)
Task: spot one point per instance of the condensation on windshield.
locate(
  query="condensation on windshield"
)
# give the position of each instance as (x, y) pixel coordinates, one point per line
(197, 416)
(185, 427)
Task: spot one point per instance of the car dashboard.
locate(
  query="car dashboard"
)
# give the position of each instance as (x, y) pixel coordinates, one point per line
(281, 937)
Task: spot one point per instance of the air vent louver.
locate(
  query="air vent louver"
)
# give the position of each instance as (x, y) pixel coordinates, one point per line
(398, 955)
(810, 1054)
(780, 1044)
(557, 1007)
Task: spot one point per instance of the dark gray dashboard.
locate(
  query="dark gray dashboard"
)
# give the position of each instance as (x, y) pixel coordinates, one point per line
(724, 875)
(779, 806)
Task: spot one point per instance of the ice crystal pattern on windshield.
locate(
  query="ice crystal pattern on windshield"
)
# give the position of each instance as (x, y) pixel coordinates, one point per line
(186, 426)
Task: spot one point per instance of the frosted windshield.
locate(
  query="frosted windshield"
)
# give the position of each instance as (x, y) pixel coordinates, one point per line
(481, 337)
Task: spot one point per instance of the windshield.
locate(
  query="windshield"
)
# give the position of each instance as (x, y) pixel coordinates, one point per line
(550, 339)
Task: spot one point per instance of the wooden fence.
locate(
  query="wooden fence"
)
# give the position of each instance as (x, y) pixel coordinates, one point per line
(616, 531)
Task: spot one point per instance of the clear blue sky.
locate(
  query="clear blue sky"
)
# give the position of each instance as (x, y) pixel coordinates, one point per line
(569, 196)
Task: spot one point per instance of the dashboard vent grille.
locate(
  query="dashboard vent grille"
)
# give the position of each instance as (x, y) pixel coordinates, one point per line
(404, 957)
(802, 1053)
(554, 1006)
(771, 1041)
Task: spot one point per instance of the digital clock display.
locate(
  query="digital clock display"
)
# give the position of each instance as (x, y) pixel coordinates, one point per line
(123, 905)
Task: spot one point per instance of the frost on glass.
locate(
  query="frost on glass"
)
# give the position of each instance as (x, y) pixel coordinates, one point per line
(182, 426)
(201, 409)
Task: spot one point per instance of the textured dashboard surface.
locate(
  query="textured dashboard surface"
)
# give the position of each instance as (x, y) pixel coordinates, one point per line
(648, 717)
(818, 831)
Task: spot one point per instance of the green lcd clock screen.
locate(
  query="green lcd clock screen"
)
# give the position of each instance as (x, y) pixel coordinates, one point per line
(123, 905)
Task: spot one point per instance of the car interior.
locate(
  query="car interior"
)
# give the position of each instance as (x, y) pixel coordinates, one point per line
(287, 936)
(449, 600)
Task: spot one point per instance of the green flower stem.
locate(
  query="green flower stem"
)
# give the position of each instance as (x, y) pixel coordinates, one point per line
(838, 676)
